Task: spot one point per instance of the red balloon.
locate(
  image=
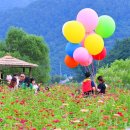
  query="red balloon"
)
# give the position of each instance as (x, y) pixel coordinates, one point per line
(101, 55)
(70, 62)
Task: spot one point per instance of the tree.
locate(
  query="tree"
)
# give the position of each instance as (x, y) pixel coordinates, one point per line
(30, 48)
(121, 50)
(118, 73)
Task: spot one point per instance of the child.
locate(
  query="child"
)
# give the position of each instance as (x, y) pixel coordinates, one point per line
(39, 86)
(34, 85)
(13, 83)
(17, 78)
(87, 85)
(101, 87)
(8, 78)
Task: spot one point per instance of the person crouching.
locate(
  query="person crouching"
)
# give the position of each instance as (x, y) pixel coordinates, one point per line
(87, 85)
(12, 84)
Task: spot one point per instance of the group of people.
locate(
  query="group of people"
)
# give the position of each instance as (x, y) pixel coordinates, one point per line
(21, 81)
(89, 87)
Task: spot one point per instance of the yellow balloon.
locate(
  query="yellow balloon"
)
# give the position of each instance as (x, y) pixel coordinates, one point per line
(73, 31)
(94, 44)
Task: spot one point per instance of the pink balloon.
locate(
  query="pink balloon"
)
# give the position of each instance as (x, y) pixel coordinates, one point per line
(89, 18)
(81, 55)
(89, 61)
(87, 34)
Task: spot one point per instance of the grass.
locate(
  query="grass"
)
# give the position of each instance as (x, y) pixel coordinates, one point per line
(61, 108)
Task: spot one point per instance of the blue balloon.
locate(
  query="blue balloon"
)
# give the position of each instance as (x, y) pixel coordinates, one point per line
(70, 48)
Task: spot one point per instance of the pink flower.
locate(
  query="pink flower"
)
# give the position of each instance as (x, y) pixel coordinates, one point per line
(43, 128)
(17, 119)
(56, 121)
(22, 121)
(71, 95)
(1, 119)
(92, 128)
(64, 116)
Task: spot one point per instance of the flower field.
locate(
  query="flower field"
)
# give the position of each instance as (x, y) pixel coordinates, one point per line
(62, 108)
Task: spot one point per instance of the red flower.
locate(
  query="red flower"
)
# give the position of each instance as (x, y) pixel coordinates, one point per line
(27, 113)
(120, 114)
(56, 121)
(49, 125)
(3, 97)
(105, 117)
(22, 121)
(82, 119)
(9, 117)
(79, 124)
(70, 113)
(86, 124)
(102, 111)
(22, 102)
(1, 103)
(17, 101)
(16, 111)
(52, 115)
(12, 103)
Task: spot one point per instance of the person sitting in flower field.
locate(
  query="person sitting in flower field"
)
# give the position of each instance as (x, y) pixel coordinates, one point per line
(21, 79)
(88, 86)
(101, 87)
(26, 83)
(8, 78)
(34, 85)
(12, 84)
(17, 78)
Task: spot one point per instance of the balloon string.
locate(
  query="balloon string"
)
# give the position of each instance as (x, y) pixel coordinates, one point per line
(93, 71)
(98, 65)
(86, 69)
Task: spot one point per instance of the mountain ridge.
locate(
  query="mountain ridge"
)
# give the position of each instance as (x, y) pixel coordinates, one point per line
(10, 4)
(46, 18)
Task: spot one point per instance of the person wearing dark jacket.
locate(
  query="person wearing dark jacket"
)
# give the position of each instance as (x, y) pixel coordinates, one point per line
(101, 87)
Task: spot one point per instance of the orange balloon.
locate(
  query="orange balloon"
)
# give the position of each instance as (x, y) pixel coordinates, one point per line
(70, 62)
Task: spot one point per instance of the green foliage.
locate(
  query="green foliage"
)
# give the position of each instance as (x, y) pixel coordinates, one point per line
(56, 79)
(30, 48)
(117, 73)
(121, 50)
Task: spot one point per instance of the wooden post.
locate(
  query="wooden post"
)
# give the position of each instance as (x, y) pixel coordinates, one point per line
(30, 72)
(23, 70)
(0, 75)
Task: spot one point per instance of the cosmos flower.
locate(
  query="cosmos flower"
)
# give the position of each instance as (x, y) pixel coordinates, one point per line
(56, 121)
(120, 114)
(1, 120)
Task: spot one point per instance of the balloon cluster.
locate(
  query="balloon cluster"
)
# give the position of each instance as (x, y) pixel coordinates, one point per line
(85, 36)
